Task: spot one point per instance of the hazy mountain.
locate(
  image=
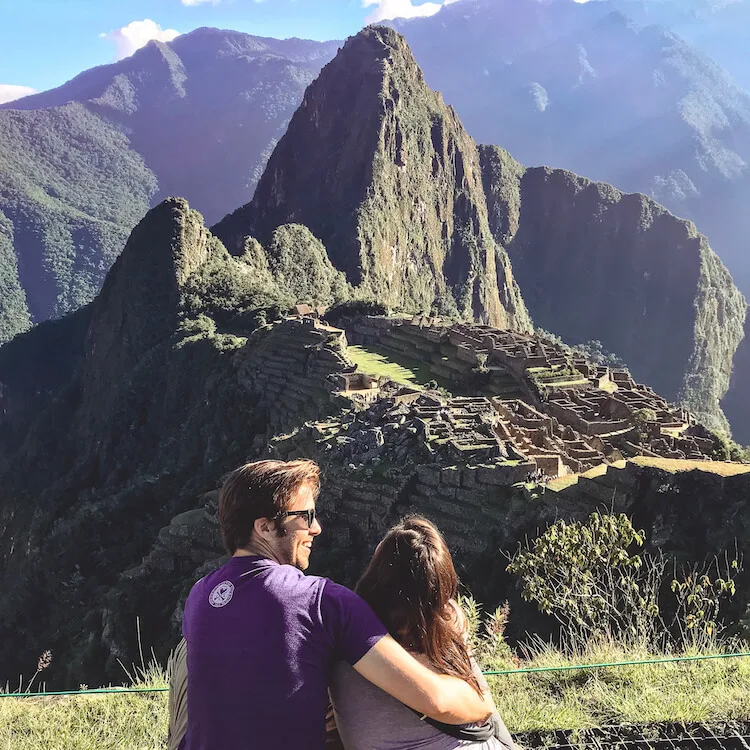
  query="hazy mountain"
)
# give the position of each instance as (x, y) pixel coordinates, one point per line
(81, 164)
(719, 28)
(580, 87)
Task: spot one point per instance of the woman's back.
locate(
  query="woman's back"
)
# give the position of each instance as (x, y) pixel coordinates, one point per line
(369, 719)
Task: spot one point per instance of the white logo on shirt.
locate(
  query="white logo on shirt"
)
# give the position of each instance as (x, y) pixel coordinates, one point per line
(222, 594)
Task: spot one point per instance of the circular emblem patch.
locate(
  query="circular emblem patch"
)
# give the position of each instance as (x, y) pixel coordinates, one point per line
(222, 594)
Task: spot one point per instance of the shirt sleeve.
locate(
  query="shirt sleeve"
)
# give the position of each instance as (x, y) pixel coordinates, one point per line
(350, 622)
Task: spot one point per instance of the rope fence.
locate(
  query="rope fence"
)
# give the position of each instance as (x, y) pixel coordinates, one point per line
(493, 673)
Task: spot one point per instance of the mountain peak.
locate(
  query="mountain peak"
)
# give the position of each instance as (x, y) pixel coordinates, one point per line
(384, 174)
(138, 304)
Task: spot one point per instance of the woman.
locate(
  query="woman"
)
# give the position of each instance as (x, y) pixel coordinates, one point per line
(412, 586)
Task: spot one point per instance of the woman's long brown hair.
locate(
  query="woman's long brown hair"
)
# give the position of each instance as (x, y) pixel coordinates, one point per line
(410, 583)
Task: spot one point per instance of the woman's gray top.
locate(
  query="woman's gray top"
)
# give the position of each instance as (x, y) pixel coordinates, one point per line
(369, 719)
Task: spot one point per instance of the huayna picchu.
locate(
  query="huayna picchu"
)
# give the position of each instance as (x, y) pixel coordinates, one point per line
(361, 311)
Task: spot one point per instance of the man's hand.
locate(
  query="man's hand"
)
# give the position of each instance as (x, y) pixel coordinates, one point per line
(447, 699)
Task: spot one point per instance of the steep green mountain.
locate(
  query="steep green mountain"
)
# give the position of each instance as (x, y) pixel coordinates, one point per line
(383, 173)
(81, 164)
(736, 403)
(579, 86)
(70, 189)
(14, 314)
(595, 264)
(144, 385)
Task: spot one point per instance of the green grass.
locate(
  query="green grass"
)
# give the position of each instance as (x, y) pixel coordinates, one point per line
(702, 692)
(673, 465)
(378, 362)
(130, 721)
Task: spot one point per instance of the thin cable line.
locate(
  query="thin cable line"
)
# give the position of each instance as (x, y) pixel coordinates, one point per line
(493, 673)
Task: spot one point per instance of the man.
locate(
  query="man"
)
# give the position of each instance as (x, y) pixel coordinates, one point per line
(262, 637)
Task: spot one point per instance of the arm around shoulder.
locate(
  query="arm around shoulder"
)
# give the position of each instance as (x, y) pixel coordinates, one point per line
(441, 697)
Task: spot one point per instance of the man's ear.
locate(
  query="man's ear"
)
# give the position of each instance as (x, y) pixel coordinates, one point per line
(263, 526)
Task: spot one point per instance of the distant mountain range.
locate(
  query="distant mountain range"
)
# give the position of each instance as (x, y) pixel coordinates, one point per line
(81, 164)
(576, 86)
(719, 28)
(585, 88)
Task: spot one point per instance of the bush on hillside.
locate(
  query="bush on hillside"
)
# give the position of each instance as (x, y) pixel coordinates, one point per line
(726, 449)
(594, 579)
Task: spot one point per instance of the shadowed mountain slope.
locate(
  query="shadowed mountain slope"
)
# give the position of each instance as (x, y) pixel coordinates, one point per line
(114, 417)
(383, 173)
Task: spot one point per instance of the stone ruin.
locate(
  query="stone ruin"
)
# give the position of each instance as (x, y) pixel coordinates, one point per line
(520, 401)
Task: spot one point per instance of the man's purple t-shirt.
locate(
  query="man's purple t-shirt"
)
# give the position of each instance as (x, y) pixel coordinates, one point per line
(261, 641)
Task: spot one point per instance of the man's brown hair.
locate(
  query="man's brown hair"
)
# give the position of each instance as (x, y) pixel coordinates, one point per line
(261, 489)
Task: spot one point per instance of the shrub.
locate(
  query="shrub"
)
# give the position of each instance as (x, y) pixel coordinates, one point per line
(591, 578)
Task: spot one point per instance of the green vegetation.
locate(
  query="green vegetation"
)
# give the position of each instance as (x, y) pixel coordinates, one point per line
(588, 576)
(81, 166)
(394, 197)
(726, 449)
(612, 602)
(130, 721)
(380, 363)
(708, 692)
(337, 315)
(593, 577)
(300, 266)
(72, 189)
(244, 292)
(673, 465)
(699, 691)
(14, 313)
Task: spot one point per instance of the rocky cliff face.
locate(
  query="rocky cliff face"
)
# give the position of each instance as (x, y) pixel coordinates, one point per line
(736, 403)
(383, 173)
(595, 264)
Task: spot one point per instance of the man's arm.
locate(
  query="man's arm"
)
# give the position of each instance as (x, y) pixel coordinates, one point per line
(447, 699)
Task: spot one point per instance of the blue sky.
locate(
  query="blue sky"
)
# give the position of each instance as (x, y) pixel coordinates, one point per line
(44, 43)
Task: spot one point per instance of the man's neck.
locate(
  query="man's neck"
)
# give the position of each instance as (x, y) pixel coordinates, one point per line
(257, 548)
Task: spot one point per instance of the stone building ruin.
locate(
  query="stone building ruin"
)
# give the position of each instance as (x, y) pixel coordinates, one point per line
(527, 403)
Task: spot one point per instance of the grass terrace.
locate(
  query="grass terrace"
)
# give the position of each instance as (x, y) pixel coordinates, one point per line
(380, 362)
(673, 465)
(702, 692)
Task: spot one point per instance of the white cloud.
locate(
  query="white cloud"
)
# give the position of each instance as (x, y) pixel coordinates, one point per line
(9, 93)
(138, 34)
(388, 9)
(198, 2)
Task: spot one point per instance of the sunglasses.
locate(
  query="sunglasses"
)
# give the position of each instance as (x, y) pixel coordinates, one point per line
(309, 515)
